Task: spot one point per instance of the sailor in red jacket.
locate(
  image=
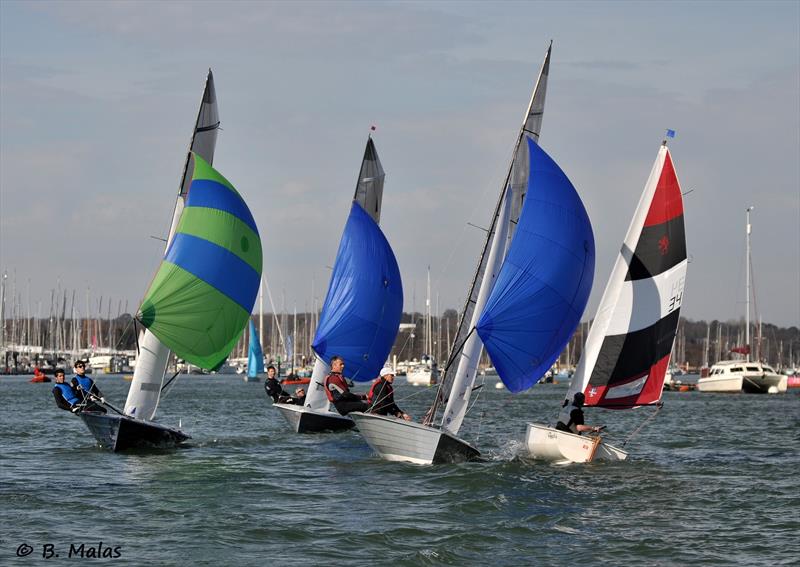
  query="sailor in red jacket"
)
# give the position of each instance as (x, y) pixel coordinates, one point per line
(338, 391)
(381, 396)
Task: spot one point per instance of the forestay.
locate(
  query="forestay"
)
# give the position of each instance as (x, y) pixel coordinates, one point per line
(205, 288)
(363, 306)
(628, 347)
(545, 281)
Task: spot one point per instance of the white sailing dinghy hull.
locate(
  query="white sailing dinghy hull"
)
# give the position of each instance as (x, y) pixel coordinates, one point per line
(394, 439)
(562, 447)
(306, 420)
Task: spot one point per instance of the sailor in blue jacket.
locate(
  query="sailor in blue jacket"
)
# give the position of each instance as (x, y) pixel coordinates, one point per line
(83, 383)
(66, 396)
(86, 387)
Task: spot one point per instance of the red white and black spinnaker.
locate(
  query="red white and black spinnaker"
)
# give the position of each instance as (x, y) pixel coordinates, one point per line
(627, 352)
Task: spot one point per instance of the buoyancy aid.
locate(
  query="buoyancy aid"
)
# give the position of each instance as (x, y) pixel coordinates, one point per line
(85, 382)
(68, 393)
(387, 391)
(334, 379)
(371, 393)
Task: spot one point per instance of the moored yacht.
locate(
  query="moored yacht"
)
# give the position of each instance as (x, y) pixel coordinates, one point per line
(742, 376)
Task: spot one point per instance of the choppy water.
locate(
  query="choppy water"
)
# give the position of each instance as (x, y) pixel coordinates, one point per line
(712, 481)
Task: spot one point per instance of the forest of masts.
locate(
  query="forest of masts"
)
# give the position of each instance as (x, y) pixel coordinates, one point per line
(287, 337)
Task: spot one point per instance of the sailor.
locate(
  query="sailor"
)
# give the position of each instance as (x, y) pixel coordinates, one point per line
(66, 396)
(299, 397)
(575, 422)
(87, 389)
(273, 387)
(338, 392)
(381, 396)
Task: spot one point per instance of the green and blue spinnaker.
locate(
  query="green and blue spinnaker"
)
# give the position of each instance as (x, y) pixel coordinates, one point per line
(203, 293)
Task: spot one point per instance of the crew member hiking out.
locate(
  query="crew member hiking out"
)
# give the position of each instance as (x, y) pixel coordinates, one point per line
(273, 387)
(87, 389)
(66, 396)
(339, 393)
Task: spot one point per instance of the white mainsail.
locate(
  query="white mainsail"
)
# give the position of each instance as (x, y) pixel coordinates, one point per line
(506, 215)
(151, 363)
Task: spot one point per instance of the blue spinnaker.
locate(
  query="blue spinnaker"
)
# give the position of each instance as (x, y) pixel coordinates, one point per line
(361, 313)
(544, 283)
(255, 356)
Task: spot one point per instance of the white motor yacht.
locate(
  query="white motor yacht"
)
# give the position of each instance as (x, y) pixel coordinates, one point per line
(742, 376)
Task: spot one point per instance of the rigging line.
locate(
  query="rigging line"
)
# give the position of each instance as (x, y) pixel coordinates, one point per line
(174, 376)
(645, 422)
(431, 414)
(274, 312)
(475, 401)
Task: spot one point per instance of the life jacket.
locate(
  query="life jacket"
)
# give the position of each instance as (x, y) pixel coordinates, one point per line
(85, 382)
(68, 393)
(336, 380)
(385, 393)
(371, 393)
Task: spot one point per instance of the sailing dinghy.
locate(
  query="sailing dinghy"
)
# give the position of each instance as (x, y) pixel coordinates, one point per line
(628, 347)
(255, 355)
(539, 241)
(361, 314)
(201, 297)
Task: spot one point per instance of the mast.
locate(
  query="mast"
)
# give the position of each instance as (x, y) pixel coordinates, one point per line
(747, 287)
(457, 383)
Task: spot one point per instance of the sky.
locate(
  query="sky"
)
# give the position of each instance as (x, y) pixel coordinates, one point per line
(98, 101)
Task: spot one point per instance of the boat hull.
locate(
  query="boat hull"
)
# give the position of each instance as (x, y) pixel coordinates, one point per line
(119, 433)
(752, 384)
(305, 420)
(395, 439)
(562, 447)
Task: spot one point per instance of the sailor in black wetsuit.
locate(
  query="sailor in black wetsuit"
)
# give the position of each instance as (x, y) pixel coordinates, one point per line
(273, 387)
(575, 423)
(66, 396)
(298, 399)
(87, 389)
(338, 391)
(381, 396)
